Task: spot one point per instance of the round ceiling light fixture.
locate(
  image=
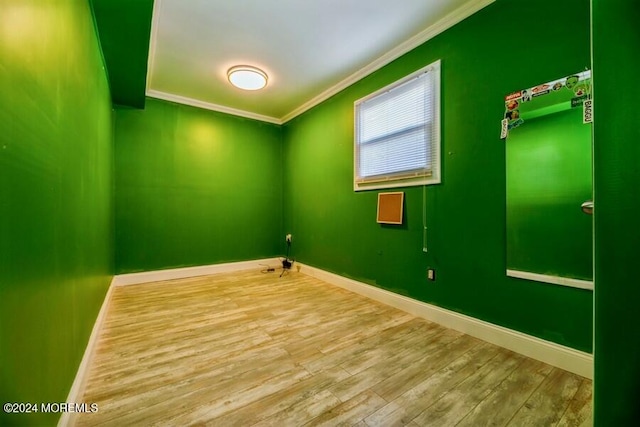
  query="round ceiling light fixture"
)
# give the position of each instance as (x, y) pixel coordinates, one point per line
(247, 77)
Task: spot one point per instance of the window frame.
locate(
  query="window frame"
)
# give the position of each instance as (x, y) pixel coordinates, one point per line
(410, 178)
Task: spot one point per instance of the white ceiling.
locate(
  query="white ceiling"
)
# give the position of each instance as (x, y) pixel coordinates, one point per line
(310, 49)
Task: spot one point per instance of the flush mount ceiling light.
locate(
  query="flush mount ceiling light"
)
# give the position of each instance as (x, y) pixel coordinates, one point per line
(247, 77)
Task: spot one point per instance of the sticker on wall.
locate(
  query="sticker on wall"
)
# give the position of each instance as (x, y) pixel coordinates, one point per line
(572, 81)
(512, 115)
(579, 84)
(587, 112)
(540, 90)
(578, 100)
(513, 96)
(514, 124)
(580, 89)
(504, 132)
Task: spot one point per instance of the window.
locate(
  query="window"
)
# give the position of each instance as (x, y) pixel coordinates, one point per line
(397, 133)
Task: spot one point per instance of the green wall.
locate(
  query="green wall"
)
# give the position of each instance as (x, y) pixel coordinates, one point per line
(124, 27)
(549, 172)
(505, 47)
(56, 225)
(195, 187)
(616, 212)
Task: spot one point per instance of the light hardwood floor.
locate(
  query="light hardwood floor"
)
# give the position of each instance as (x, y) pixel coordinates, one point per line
(254, 349)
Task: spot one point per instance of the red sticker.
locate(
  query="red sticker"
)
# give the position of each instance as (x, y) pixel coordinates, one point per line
(514, 95)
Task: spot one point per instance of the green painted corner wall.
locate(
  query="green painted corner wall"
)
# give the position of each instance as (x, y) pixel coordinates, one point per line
(56, 198)
(124, 29)
(505, 47)
(195, 187)
(616, 43)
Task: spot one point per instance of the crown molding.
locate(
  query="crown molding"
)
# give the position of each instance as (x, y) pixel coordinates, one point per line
(213, 107)
(440, 26)
(430, 32)
(157, 6)
(153, 44)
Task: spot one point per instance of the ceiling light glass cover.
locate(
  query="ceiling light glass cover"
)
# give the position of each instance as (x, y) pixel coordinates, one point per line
(247, 77)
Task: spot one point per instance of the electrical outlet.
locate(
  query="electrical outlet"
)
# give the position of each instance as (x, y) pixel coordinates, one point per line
(431, 274)
(287, 238)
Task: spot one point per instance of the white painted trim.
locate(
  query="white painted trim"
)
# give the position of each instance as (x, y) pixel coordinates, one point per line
(427, 177)
(209, 106)
(79, 383)
(556, 280)
(181, 273)
(442, 25)
(153, 41)
(554, 354)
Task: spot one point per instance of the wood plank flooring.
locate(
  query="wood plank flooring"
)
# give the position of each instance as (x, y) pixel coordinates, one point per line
(254, 349)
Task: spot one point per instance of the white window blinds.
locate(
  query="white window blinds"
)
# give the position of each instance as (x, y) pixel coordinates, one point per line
(397, 133)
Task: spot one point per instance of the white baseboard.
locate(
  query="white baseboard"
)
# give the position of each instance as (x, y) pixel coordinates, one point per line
(181, 273)
(563, 357)
(554, 354)
(556, 280)
(77, 388)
